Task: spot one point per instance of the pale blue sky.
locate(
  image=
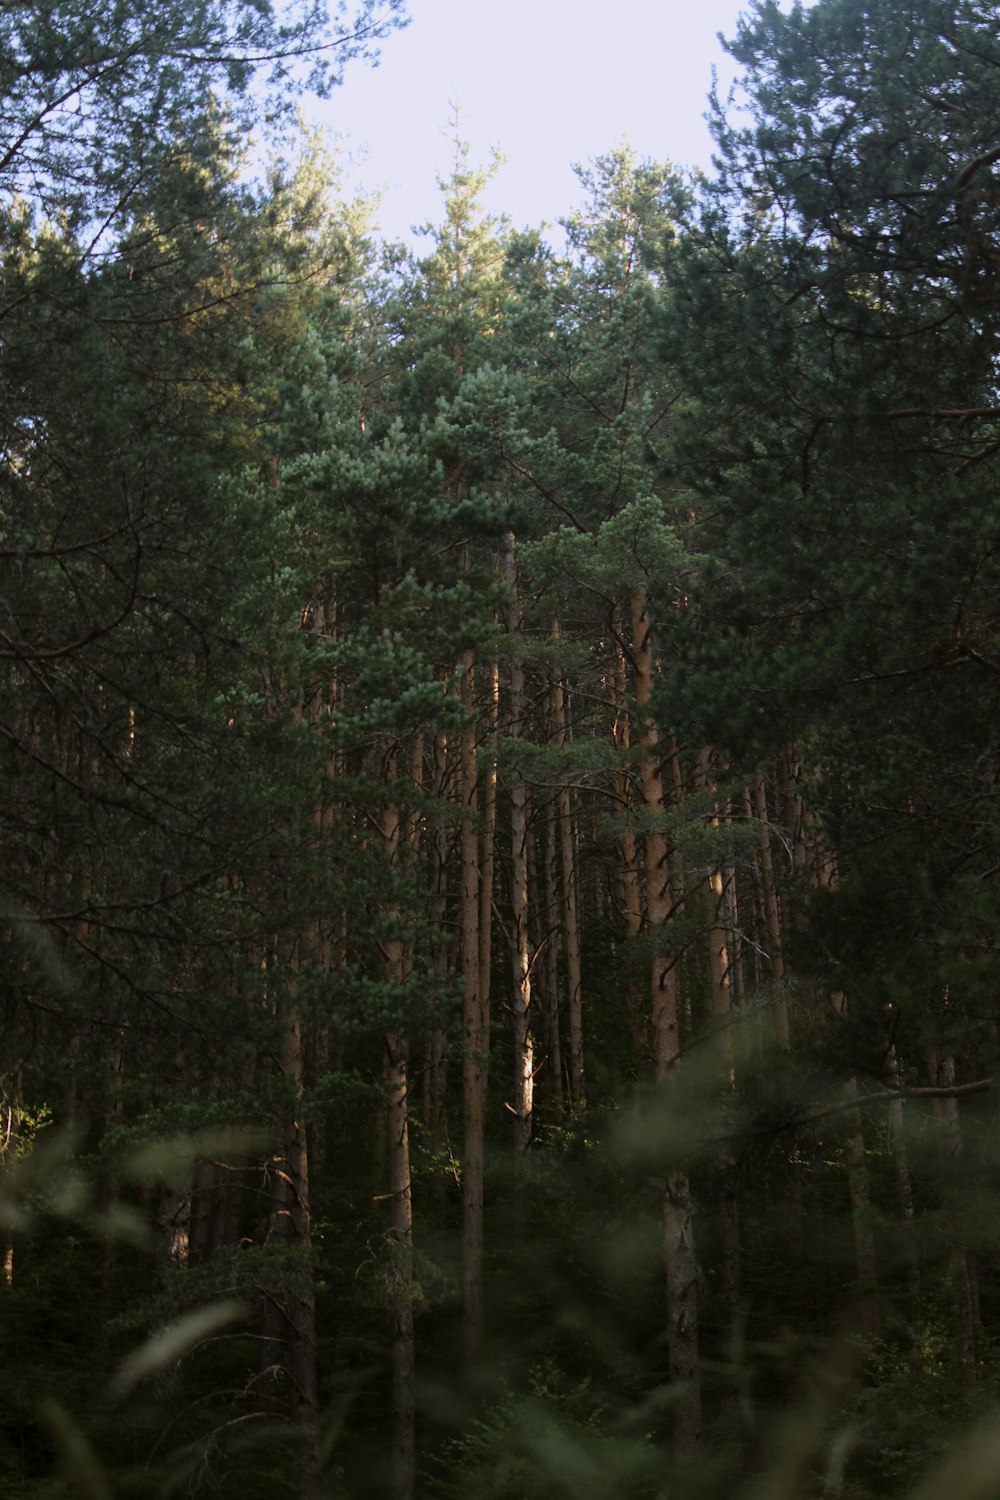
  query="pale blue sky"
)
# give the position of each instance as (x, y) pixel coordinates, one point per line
(549, 82)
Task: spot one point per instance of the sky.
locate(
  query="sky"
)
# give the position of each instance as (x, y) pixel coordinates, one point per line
(547, 82)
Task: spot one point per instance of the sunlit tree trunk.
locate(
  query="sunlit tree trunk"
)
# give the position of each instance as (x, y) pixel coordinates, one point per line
(715, 906)
(173, 1220)
(520, 951)
(733, 926)
(570, 903)
(10, 1132)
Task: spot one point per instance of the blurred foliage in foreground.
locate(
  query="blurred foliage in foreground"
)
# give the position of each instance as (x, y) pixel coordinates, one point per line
(569, 1403)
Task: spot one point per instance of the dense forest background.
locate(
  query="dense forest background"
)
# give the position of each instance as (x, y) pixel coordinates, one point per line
(500, 753)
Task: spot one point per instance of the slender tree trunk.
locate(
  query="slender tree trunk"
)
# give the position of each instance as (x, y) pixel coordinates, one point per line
(230, 1187)
(859, 1188)
(821, 867)
(551, 1006)
(436, 1045)
(752, 913)
(772, 916)
(728, 1205)
(904, 1180)
(962, 1267)
(637, 1013)
(682, 1273)
(329, 940)
(475, 1028)
(793, 815)
(719, 958)
(172, 1250)
(401, 1309)
(292, 1310)
(396, 1073)
(202, 1204)
(111, 1185)
(570, 905)
(520, 955)
(487, 860)
(818, 865)
(173, 1221)
(731, 918)
(10, 1131)
(716, 902)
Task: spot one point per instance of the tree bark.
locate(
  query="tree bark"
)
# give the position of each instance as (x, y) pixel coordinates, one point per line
(859, 1189)
(396, 1073)
(475, 1036)
(551, 1007)
(716, 901)
(487, 861)
(520, 951)
(435, 1070)
(962, 1267)
(290, 1223)
(570, 905)
(401, 1261)
(682, 1274)
(904, 1178)
(10, 1131)
(637, 1013)
(772, 916)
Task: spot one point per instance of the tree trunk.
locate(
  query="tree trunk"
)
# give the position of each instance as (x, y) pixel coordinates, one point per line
(682, 1273)
(570, 906)
(435, 1071)
(111, 1184)
(637, 1014)
(962, 1267)
(551, 1007)
(401, 1256)
(291, 1320)
(487, 861)
(904, 1179)
(861, 1213)
(396, 1073)
(10, 1131)
(772, 916)
(570, 897)
(171, 1254)
(475, 1037)
(716, 902)
(520, 953)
